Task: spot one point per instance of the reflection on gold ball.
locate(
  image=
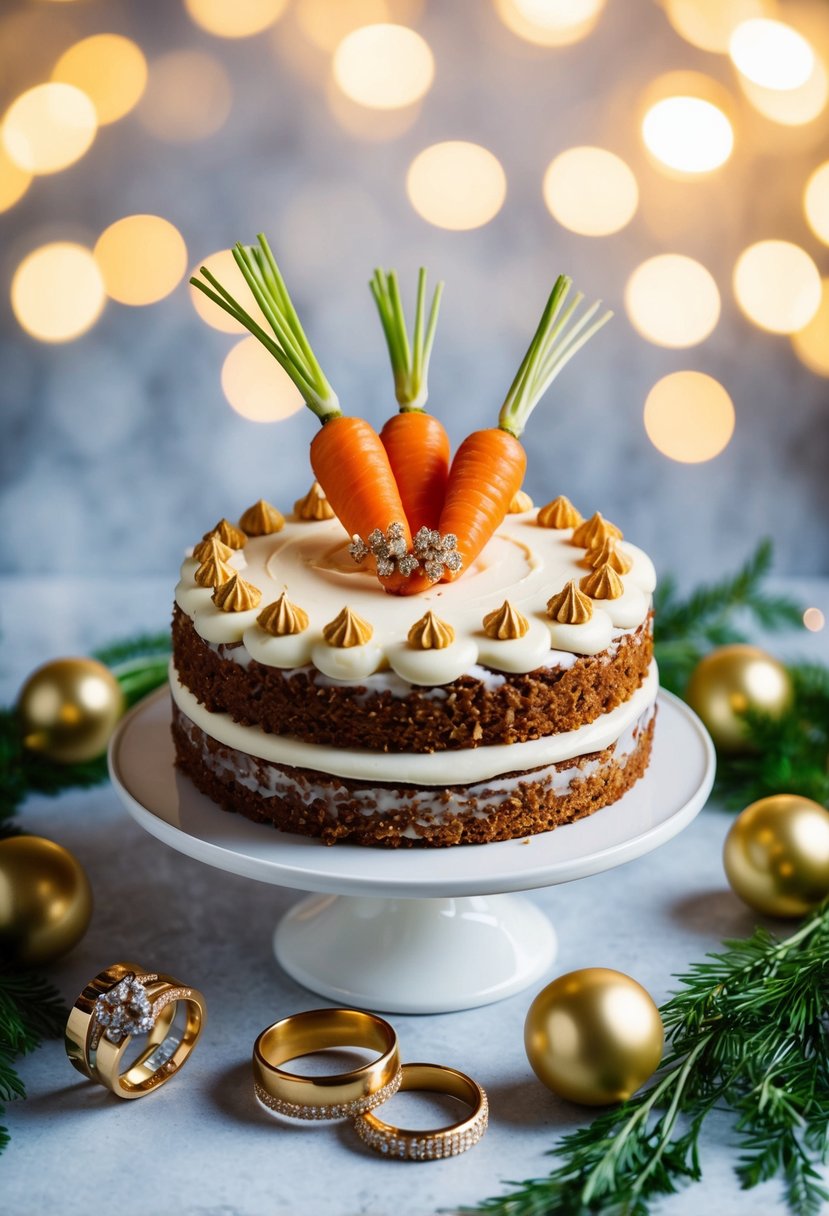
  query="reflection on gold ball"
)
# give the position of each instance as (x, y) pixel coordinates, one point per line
(731, 680)
(45, 900)
(68, 709)
(776, 855)
(594, 1036)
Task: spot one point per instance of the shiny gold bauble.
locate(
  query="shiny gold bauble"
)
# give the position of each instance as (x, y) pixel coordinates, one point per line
(68, 709)
(45, 900)
(594, 1036)
(776, 855)
(731, 680)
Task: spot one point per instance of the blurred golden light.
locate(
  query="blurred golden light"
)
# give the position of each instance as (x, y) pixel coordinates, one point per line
(811, 343)
(256, 386)
(689, 417)
(777, 285)
(456, 185)
(771, 54)
(688, 134)
(327, 24)
(142, 258)
(188, 97)
(57, 292)
(111, 70)
(672, 300)
(384, 66)
(791, 107)
(590, 191)
(223, 265)
(14, 181)
(814, 620)
(550, 22)
(235, 18)
(368, 124)
(709, 24)
(49, 127)
(816, 202)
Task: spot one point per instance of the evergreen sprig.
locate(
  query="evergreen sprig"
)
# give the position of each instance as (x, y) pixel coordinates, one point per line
(30, 1010)
(745, 1033)
(686, 629)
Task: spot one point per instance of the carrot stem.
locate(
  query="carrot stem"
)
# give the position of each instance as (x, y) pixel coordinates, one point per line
(554, 343)
(289, 344)
(409, 360)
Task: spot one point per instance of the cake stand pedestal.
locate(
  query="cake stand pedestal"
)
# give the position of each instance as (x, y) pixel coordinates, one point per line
(413, 930)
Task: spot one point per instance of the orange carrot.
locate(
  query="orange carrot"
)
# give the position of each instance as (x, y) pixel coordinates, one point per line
(417, 444)
(489, 466)
(418, 450)
(351, 465)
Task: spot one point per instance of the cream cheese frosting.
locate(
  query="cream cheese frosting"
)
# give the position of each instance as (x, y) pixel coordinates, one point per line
(459, 767)
(523, 562)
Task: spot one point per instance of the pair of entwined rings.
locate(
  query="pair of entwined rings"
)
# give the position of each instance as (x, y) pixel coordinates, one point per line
(124, 1002)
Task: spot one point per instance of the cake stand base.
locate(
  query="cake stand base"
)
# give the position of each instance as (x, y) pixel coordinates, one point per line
(415, 955)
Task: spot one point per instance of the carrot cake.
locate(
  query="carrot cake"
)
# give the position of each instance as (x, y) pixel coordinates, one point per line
(509, 702)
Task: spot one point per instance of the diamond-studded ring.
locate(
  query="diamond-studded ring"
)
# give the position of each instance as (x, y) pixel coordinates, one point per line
(120, 1007)
(438, 1143)
(332, 1096)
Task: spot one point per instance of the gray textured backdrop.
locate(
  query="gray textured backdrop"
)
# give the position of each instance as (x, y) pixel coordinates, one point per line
(118, 449)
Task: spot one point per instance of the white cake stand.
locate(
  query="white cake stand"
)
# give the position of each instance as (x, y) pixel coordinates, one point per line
(413, 930)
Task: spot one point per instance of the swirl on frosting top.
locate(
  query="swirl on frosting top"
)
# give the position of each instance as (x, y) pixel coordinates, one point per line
(505, 623)
(607, 554)
(430, 633)
(282, 619)
(262, 519)
(603, 583)
(560, 513)
(570, 606)
(594, 532)
(314, 506)
(524, 564)
(236, 595)
(213, 572)
(227, 534)
(347, 630)
(213, 548)
(521, 502)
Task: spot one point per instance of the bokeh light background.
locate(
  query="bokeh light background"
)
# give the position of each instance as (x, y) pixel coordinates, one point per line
(672, 157)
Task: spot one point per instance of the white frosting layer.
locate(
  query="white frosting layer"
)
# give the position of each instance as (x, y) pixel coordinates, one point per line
(462, 767)
(523, 563)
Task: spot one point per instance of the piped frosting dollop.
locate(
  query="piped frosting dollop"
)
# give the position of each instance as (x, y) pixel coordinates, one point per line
(431, 633)
(594, 532)
(560, 513)
(608, 553)
(570, 606)
(603, 583)
(521, 502)
(212, 547)
(237, 595)
(282, 618)
(227, 534)
(505, 623)
(213, 572)
(314, 506)
(262, 519)
(347, 630)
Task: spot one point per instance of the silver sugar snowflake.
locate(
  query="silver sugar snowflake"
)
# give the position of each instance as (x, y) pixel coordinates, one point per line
(437, 553)
(124, 1010)
(388, 550)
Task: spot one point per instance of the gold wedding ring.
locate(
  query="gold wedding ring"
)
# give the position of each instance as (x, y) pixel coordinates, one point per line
(336, 1095)
(442, 1142)
(120, 1004)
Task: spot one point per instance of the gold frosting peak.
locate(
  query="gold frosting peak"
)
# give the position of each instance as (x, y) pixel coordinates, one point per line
(560, 513)
(282, 618)
(603, 583)
(227, 534)
(431, 633)
(213, 572)
(521, 502)
(505, 623)
(261, 519)
(236, 595)
(346, 630)
(594, 532)
(570, 606)
(607, 554)
(314, 505)
(212, 547)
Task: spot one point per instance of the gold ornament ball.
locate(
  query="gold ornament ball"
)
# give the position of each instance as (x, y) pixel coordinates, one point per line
(68, 709)
(731, 680)
(45, 900)
(776, 855)
(594, 1036)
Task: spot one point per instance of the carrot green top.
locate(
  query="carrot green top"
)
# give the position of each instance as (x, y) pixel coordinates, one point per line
(288, 344)
(410, 362)
(554, 343)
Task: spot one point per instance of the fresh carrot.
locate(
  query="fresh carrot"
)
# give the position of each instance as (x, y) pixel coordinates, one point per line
(347, 456)
(488, 467)
(416, 442)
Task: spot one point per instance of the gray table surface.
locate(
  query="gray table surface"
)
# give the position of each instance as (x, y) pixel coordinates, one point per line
(202, 1146)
